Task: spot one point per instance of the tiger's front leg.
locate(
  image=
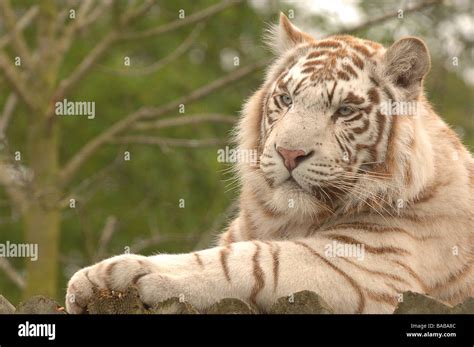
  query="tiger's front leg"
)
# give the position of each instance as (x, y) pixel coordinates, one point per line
(240, 270)
(254, 271)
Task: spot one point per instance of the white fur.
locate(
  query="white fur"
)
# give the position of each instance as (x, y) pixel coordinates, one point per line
(423, 151)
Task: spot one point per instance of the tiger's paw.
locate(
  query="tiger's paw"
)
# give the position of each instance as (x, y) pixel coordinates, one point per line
(119, 273)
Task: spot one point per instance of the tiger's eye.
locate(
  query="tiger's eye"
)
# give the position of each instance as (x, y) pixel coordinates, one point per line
(286, 99)
(345, 110)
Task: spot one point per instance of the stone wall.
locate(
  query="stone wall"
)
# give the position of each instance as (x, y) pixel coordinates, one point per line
(304, 302)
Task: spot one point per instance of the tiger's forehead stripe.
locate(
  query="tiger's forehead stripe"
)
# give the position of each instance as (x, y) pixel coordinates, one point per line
(335, 58)
(351, 98)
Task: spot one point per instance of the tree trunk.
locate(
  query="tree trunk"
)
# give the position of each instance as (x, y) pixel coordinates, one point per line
(42, 228)
(42, 216)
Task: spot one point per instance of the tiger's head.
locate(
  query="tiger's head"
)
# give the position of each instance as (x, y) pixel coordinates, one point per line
(322, 123)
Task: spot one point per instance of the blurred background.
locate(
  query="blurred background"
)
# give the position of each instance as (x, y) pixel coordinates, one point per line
(167, 79)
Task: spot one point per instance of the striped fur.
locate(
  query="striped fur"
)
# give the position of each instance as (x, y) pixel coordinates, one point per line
(400, 186)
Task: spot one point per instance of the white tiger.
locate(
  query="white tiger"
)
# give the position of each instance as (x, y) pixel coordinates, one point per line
(338, 168)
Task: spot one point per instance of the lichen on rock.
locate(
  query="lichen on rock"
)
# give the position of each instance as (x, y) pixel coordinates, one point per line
(304, 302)
(113, 302)
(467, 307)
(5, 306)
(230, 306)
(415, 303)
(39, 304)
(173, 306)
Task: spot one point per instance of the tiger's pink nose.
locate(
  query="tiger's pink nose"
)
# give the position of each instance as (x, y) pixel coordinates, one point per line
(291, 157)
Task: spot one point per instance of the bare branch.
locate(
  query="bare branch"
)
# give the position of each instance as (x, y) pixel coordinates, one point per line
(77, 22)
(106, 235)
(12, 219)
(96, 13)
(14, 177)
(205, 90)
(193, 18)
(145, 113)
(7, 113)
(89, 186)
(82, 21)
(140, 245)
(167, 142)
(117, 34)
(17, 81)
(186, 120)
(391, 15)
(181, 49)
(18, 42)
(206, 239)
(97, 52)
(12, 273)
(21, 24)
(86, 5)
(133, 14)
(15, 180)
(83, 68)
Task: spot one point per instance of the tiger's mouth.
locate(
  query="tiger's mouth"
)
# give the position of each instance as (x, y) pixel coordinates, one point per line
(293, 187)
(326, 194)
(293, 183)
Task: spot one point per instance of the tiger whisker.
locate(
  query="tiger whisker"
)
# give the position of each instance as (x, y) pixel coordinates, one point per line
(365, 177)
(373, 197)
(373, 193)
(371, 207)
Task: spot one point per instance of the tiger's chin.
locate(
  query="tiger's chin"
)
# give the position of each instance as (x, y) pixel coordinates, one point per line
(299, 201)
(321, 192)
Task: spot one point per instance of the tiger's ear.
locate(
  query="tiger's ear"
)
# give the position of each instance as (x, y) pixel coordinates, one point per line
(406, 63)
(285, 36)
